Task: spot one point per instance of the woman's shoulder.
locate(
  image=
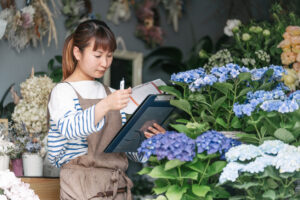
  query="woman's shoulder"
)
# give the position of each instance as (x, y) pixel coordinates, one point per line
(62, 90)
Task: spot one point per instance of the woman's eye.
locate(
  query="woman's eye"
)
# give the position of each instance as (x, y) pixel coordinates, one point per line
(97, 56)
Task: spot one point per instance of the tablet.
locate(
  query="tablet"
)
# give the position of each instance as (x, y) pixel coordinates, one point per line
(155, 108)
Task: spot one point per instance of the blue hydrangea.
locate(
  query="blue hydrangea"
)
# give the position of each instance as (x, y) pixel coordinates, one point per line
(198, 79)
(275, 100)
(214, 142)
(32, 147)
(171, 145)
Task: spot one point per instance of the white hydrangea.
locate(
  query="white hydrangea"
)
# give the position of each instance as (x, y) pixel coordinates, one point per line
(14, 188)
(219, 59)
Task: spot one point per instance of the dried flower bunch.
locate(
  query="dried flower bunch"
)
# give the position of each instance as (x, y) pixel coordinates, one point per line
(32, 108)
(29, 24)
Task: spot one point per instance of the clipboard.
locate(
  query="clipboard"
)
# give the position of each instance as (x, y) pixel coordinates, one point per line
(155, 108)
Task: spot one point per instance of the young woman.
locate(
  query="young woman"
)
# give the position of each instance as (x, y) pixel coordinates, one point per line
(85, 116)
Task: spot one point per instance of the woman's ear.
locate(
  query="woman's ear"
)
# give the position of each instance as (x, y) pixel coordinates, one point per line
(77, 53)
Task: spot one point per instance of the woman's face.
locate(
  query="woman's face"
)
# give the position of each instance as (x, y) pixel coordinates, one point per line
(92, 63)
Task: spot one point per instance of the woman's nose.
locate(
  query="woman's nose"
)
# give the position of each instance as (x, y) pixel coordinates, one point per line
(104, 62)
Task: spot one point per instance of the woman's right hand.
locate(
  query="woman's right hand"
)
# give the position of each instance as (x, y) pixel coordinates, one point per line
(118, 99)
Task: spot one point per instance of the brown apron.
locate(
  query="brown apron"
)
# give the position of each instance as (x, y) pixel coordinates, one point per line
(97, 175)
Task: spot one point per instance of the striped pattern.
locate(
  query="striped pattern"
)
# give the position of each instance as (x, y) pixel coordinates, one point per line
(67, 139)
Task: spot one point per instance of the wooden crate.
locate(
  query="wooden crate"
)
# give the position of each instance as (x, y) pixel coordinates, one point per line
(45, 188)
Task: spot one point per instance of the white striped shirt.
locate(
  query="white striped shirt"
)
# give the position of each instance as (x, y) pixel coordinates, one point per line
(69, 124)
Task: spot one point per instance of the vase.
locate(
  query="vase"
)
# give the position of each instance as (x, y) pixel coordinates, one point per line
(32, 164)
(4, 162)
(17, 166)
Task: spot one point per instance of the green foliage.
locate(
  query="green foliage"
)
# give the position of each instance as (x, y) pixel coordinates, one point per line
(6, 110)
(187, 180)
(267, 185)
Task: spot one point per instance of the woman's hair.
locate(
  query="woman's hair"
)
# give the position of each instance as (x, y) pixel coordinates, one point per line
(85, 31)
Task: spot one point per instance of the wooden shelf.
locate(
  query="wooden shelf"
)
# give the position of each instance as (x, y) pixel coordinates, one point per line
(45, 188)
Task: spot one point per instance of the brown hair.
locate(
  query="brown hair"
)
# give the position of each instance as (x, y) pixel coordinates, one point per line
(85, 31)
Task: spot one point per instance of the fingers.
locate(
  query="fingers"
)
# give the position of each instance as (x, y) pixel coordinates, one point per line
(159, 128)
(148, 134)
(153, 130)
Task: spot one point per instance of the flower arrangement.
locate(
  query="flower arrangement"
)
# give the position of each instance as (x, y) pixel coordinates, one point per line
(184, 167)
(29, 24)
(30, 114)
(32, 108)
(266, 171)
(12, 188)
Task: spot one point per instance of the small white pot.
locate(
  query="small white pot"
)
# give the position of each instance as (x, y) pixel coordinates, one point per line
(32, 164)
(4, 162)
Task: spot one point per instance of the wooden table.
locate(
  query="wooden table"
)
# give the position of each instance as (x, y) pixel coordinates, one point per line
(45, 188)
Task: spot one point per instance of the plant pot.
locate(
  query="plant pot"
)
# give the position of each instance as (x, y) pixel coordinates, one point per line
(17, 166)
(32, 164)
(4, 162)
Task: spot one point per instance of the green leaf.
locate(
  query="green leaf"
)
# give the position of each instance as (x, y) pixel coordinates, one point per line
(219, 192)
(182, 104)
(205, 156)
(218, 102)
(159, 172)
(235, 122)
(199, 166)
(284, 135)
(180, 128)
(184, 121)
(271, 183)
(161, 197)
(223, 87)
(244, 92)
(221, 122)
(172, 164)
(51, 64)
(175, 192)
(189, 175)
(270, 172)
(58, 59)
(244, 76)
(197, 97)
(200, 190)
(145, 170)
(270, 194)
(160, 190)
(170, 90)
(216, 168)
(237, 198)
(248, 138)
(245, 185)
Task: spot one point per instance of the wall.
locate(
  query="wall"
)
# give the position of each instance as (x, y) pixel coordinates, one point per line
(201, 17)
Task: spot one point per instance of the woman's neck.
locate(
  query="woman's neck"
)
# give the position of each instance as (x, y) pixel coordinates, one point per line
(78, 75)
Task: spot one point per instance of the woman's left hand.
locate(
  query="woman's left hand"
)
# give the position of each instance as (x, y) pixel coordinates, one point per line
(153, 130)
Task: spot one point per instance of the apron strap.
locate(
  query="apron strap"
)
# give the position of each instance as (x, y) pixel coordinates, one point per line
(116, 175)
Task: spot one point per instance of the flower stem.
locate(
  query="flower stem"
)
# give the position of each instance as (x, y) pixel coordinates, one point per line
(179, 173)
(204, 172)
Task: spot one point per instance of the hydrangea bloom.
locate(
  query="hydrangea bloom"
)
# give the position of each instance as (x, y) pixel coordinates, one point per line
(275, 100)
(14, 188)
(275, 153)
(171, 145)
(198, 79)
(213, 142)
(243, 152)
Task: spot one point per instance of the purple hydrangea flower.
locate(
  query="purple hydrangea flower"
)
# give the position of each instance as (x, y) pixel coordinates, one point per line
(171, 145)
(213, 142)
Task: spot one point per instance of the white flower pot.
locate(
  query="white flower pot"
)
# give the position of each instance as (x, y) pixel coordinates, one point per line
(32, 164)
(4, 162)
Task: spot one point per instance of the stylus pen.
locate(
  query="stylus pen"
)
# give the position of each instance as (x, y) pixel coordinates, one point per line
(122, 84)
